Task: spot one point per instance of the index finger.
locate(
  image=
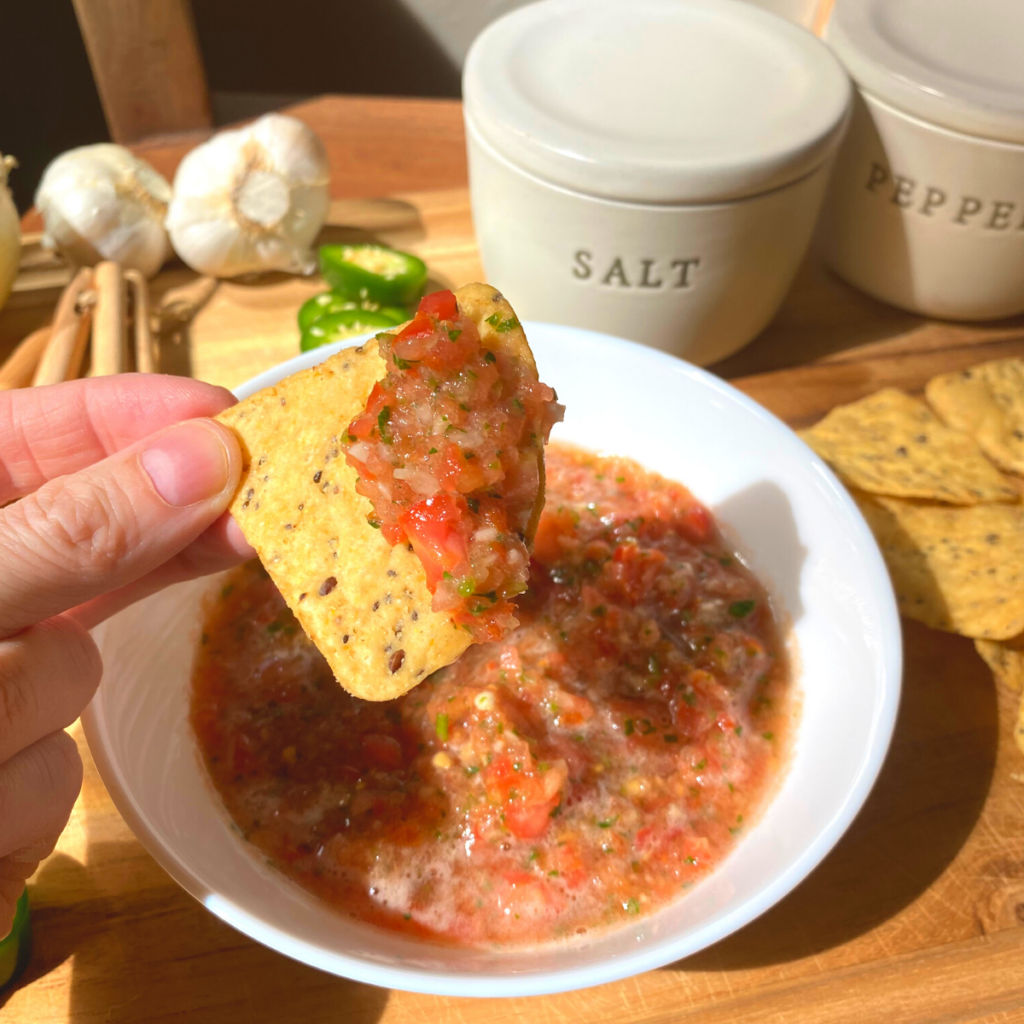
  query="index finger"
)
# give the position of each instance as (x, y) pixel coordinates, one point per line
(51, 431)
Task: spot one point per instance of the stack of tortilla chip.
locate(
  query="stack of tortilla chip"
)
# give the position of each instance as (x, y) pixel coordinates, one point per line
(929, 478)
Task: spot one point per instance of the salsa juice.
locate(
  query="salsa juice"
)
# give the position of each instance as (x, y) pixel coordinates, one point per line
(586, 769)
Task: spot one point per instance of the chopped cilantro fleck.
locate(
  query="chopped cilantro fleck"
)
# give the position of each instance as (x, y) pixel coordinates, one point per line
(632, 905)
(382, 423)
(628, 727)
(490, 357)
(741, 609)
(453, 334)
(502, 326)
(441, 727)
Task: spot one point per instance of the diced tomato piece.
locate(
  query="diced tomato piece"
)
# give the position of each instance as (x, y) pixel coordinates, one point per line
(437, 528)
(527, 821)
(393, 533)
(697, 524)
(527, 808)
(440, 304)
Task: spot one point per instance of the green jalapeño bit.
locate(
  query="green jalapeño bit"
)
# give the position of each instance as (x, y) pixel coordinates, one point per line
(346, 323)
(374, 273)
(16, 949)
(330, 302)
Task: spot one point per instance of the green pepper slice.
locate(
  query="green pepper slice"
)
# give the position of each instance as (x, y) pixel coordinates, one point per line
(330, 302)
(344, 323)
(16, 949)
(373, 272)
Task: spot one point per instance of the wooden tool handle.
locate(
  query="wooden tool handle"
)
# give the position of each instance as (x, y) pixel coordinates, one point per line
(145, 355)
(108, 325)
(20, 367)
(68, 337)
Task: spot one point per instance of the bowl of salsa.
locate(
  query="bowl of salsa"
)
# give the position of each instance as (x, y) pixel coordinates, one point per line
(693, 706)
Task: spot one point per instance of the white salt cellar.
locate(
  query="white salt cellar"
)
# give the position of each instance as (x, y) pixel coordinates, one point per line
(651, 168)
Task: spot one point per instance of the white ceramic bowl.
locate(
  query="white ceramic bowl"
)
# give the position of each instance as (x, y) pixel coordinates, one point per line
(803, 536)
(698, 280)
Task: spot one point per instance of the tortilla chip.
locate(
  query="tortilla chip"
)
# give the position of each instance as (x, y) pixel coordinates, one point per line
(987, 401)
(958, 569)
(892, 444)
(1006, 659)
(364, 604)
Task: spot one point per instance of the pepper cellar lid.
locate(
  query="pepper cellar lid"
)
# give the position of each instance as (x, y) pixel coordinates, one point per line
(657, 101)
(955, 63)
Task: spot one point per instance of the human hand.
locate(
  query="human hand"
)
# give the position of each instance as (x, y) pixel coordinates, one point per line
(118, 498)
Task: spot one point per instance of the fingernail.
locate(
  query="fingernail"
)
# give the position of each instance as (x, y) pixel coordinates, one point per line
(188, 464)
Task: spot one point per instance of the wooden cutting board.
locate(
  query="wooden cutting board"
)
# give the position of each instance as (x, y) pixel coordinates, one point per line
(916, 916)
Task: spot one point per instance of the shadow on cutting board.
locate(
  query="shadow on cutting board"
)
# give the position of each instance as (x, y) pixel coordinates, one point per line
(155, 954)
(163, 957)
(925, 804)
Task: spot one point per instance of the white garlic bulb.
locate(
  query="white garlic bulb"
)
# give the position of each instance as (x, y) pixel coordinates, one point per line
(103, 203)
(251, 199)
(10, 232)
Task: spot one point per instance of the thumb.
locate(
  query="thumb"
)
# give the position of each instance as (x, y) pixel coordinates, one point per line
(81, 535)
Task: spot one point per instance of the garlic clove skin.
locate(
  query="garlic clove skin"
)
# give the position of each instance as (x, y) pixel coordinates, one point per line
(103, 203)
(251, 199)
(10, 232)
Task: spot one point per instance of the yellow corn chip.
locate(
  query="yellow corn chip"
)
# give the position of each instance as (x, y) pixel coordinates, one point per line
(988, 402)
(893, 444)
(1006, 659)
(364, 604)
(958, 569)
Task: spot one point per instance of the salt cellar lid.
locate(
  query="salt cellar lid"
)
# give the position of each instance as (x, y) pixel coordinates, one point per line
(656, 101)
(955, 63)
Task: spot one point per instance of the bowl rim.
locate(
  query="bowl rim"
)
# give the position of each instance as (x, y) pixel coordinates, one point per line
(429, 981)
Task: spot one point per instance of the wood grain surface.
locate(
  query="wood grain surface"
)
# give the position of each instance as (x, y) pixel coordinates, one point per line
(916, 916)
(146, 62)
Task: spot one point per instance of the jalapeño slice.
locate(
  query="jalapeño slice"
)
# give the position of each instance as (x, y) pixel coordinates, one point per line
(330, 302)
(373, 272)
(345, 323)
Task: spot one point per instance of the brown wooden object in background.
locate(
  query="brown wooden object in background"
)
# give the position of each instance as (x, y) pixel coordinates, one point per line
(146, 62)
(142, 337)
(108, 351)
(20, 368)
(69, 336)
